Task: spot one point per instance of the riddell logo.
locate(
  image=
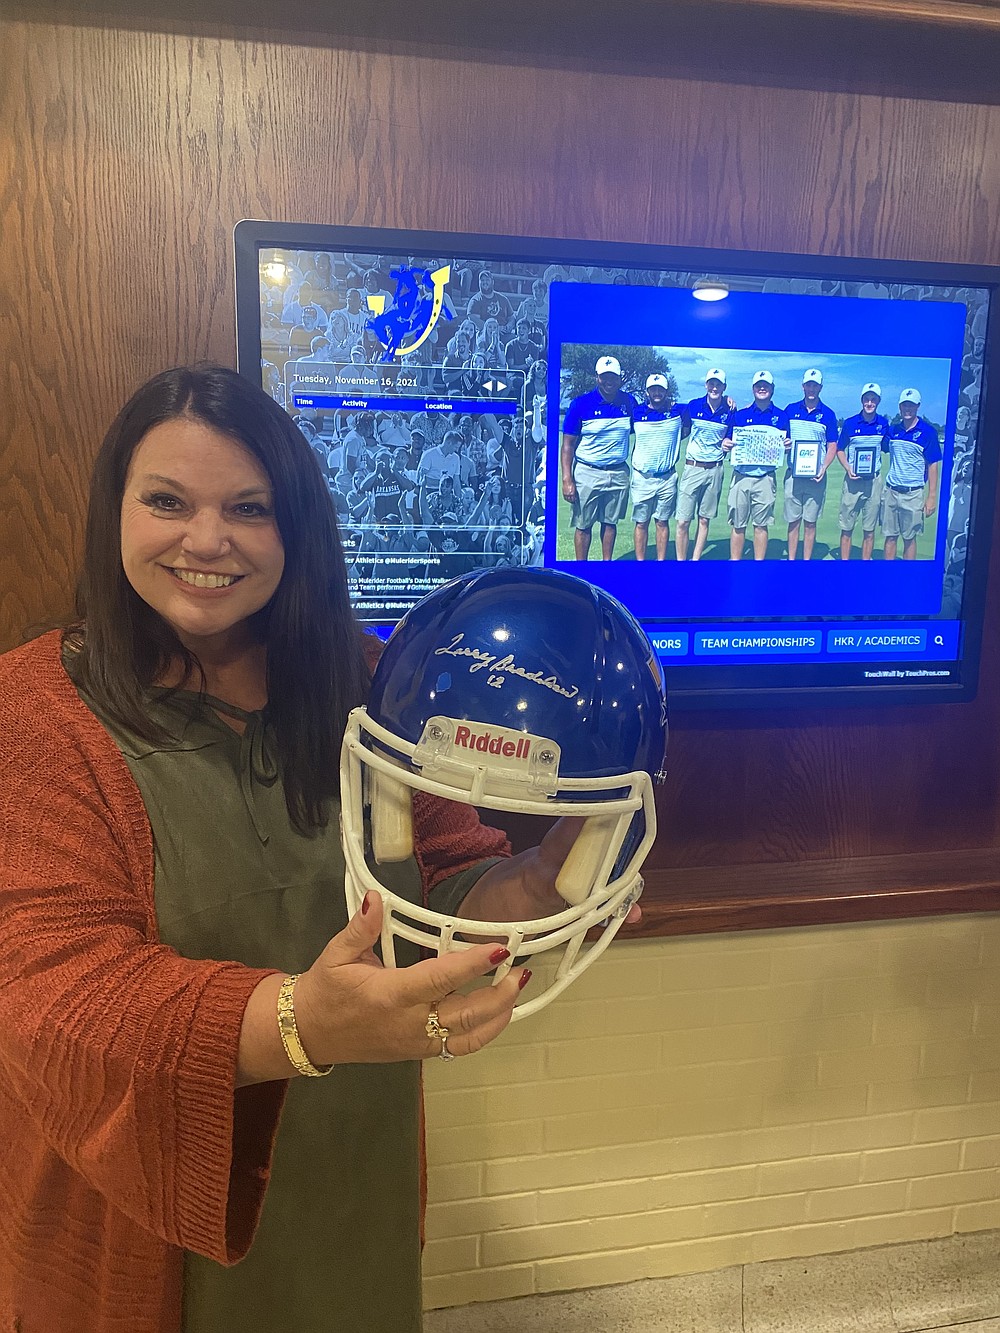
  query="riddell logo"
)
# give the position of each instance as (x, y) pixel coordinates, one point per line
(488, 743)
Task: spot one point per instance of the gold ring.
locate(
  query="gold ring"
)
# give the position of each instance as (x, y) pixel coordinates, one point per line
(435, 1028)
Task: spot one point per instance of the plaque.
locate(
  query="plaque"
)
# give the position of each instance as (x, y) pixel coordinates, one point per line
(758, 446)
(863, 455)
(808, 448)
(805, 459)
(864, 460)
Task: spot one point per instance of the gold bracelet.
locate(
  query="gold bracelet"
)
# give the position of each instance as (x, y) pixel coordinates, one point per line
(290, 1033)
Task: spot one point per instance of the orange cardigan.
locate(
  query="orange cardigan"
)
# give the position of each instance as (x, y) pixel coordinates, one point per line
(122, 1138)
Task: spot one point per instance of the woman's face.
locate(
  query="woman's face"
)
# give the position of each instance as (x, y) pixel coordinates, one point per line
(199, 540)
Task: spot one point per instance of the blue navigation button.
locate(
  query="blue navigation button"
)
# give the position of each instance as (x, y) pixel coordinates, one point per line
(768, 639)
(673, 643)
(878, 639)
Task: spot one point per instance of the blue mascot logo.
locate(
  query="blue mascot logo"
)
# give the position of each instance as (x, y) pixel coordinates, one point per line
(417, 307)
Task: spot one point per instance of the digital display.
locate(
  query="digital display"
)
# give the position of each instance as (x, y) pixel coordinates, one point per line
(780, 484)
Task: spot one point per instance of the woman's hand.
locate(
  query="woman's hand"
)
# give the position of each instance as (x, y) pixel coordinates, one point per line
(523, 887)
(349, 1009)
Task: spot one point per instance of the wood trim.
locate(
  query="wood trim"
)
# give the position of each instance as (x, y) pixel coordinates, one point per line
(872, 888)
(931, 49)
(945, 13)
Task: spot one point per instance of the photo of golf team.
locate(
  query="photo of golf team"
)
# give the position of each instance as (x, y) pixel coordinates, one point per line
(807, 479)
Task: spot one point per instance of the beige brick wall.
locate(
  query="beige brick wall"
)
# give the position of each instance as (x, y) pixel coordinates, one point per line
(699, 1102)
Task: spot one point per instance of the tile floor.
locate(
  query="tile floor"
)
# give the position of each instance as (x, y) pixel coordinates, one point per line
(948, 1286)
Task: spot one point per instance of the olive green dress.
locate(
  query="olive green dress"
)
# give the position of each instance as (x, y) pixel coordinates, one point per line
(338, 1244)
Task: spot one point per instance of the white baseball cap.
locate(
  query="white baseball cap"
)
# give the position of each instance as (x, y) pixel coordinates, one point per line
(874, 388)
(716, 375)
(910, 396)
(764, 375)
(608, 365)
(813, 376)
(656, 379)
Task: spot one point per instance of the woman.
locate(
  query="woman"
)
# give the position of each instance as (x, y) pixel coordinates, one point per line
(340, 336)
(490, 347)
(169, 797)
(498, 509)
(535, 390)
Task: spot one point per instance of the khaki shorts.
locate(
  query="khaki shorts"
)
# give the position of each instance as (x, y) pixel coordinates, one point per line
(860, 499)
(804, 499)
(601, 497)
(653, 497)
(699, 492)
(903, 513)
(751, 500)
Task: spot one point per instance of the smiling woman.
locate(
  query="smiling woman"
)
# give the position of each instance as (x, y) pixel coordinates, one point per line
(175, 944)
(201, 475)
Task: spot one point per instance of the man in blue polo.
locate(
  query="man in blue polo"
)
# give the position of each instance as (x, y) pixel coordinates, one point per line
(805, 496)
(597, 432)
(911, 484)
(657, 428)
(860, 449)
(753, 488)
(700, 486)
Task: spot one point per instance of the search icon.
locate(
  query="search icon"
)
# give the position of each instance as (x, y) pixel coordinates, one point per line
(938, 640)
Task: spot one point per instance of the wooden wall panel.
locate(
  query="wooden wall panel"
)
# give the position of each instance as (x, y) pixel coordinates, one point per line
(128, 155)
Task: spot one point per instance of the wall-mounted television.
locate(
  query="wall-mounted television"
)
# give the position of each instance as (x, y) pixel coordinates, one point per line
(789, 483)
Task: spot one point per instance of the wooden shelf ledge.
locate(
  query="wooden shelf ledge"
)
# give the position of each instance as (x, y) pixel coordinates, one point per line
(875, 888)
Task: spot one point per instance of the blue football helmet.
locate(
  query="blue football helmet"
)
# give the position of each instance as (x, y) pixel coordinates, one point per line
(523, 690)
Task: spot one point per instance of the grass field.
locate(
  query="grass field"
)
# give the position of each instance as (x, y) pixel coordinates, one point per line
(827, 533)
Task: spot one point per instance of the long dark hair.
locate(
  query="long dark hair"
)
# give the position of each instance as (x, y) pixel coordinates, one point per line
(316, 670)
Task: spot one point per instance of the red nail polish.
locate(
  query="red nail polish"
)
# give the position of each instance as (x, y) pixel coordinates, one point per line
(525, 978)
(499, 956)
(365, 904)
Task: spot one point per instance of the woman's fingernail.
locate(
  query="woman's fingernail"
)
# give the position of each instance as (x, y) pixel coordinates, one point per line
(525, 978)
(365, 904)
(499, 956)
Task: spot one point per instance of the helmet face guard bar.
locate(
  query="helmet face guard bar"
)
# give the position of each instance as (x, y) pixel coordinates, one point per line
(379, 770)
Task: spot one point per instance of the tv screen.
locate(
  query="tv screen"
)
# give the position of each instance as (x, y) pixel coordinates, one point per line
(780, 464)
